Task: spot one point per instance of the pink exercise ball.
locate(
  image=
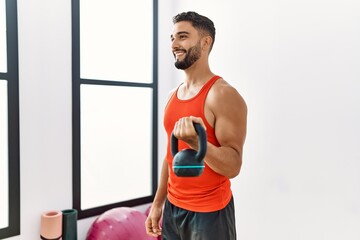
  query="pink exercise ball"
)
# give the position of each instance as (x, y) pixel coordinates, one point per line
(121, 223)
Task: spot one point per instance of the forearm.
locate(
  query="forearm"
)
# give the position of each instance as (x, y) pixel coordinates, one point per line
(224, 160)
(161, 192)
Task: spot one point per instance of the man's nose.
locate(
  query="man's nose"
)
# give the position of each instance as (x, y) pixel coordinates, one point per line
(174, 44)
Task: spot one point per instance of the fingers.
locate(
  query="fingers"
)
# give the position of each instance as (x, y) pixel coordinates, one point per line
(156, 230)
(152, 227)
(184, 127)
(198, 120)
(184, 130)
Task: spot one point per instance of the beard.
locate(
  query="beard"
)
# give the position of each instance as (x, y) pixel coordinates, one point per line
(192, 55)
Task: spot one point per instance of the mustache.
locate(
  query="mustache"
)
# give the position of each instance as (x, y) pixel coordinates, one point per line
(179, 49)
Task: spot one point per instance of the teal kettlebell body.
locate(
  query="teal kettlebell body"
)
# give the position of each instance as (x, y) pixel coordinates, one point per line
(189, 162)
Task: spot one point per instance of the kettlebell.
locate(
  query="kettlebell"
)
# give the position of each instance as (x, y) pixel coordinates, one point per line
(189, 162)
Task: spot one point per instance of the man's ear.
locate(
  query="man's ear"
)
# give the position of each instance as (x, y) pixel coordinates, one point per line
(207, 41)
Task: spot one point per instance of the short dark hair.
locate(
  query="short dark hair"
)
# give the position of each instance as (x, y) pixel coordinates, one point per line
(203, 24)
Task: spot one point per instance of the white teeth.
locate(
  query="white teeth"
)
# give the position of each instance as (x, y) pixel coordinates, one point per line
(179, 53)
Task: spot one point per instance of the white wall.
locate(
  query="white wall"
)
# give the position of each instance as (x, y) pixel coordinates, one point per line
(296, 63)
(45, 110)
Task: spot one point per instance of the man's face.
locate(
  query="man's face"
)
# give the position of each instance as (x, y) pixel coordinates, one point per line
(186, 45)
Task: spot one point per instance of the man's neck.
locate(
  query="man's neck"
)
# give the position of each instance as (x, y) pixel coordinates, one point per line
(197, 75)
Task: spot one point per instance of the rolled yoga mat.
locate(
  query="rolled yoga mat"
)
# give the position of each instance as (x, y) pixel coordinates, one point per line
(69, 226)
(51, 225)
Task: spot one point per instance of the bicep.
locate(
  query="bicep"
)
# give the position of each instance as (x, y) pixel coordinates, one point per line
(231, 120)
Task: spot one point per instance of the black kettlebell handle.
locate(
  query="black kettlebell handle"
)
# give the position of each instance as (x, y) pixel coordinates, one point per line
(202, 143)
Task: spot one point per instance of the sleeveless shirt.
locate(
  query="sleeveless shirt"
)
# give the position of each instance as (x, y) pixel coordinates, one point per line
(210, 191)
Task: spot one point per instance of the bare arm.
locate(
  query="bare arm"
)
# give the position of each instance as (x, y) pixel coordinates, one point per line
(161, 192)
(152, 222)
(229, 112)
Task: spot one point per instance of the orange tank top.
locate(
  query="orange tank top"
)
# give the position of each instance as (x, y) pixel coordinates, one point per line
(210, 191)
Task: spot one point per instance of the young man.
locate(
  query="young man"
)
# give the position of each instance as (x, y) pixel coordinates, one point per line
(199, 207)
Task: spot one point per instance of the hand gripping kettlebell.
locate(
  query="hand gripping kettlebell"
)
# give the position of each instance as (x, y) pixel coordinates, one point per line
(189, 162)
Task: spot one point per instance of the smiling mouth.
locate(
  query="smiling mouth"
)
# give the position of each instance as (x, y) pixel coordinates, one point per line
(179, 53)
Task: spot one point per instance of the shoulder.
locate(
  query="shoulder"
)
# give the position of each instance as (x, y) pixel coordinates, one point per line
(170, 95)
(222, 95)
(171, 92)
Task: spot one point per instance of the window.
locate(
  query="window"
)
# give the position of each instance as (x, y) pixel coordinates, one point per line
(114, 104)
(9, 122)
